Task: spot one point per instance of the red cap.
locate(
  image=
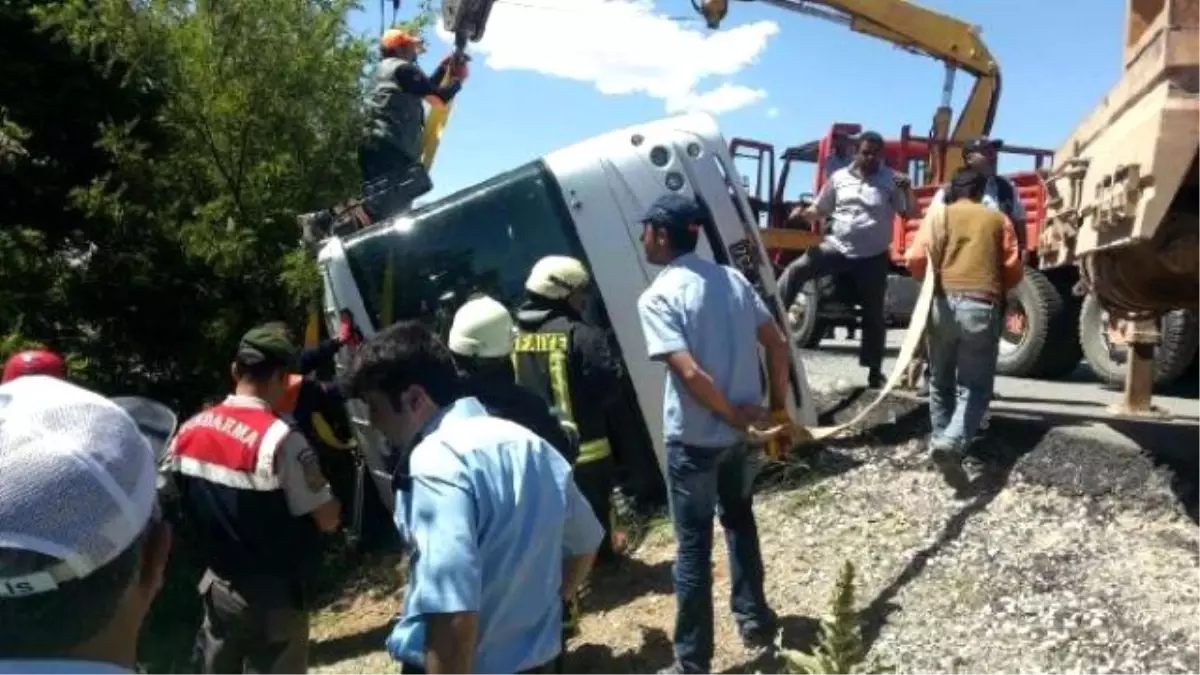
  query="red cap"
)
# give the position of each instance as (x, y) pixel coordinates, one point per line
(34, 362)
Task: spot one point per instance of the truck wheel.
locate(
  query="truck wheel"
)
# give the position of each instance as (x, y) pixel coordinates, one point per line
(1030, 315)
(1062, 353)
(1172, 356)
(807, 328)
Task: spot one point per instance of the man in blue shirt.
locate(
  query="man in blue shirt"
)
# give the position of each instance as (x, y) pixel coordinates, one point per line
(706, 322)
(497, 531)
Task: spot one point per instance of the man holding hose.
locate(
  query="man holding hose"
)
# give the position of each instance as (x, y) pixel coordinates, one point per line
(973, 250)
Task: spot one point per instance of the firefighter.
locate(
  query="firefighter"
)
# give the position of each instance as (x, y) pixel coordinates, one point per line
(570, 363)
(34, 362)
(481, 340)
(390, 155)
(256, 498)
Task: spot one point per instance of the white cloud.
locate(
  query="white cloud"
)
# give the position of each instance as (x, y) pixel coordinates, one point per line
(772, 112)
(625, 47)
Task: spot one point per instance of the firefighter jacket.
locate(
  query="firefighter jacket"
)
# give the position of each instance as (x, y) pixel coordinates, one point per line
(233, 495)
(571, 365)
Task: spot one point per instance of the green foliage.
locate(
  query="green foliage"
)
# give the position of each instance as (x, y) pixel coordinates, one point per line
(840, 648)
(151, 169)
(425, 18)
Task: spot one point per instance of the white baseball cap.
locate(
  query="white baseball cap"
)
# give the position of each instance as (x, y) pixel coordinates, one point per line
(482, 328)
(79, 480)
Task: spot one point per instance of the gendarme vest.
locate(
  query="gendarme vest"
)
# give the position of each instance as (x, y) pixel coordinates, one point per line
(543, 364)
(225, 462)
(396, 117)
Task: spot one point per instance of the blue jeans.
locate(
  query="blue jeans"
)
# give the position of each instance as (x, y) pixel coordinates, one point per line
(704, 481)
(964, 336)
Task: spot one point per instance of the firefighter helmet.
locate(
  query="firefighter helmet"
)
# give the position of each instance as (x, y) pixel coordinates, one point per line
(482, 328)
(34, 362)
(556, 277)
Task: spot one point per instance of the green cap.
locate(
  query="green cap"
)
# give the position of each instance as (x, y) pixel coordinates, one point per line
(271, 341)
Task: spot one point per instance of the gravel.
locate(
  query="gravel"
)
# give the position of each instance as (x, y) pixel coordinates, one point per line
(1067, 556)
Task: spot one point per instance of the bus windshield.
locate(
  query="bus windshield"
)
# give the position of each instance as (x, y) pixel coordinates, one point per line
(484, 239)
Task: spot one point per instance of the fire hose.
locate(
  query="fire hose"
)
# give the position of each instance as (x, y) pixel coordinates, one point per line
(909, 348)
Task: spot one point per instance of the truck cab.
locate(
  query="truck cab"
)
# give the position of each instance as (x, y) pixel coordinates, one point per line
(584, 201)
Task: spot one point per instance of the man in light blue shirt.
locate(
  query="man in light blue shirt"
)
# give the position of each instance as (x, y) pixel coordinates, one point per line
(498, 533)
(706, 322)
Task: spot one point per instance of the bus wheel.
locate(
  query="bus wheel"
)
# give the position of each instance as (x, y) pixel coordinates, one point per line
(1173, 355)
(1031, 310)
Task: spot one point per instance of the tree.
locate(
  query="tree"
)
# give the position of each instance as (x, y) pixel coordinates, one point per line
(206, 127)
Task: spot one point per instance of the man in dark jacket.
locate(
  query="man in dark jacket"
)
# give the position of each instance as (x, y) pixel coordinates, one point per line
(570, 363)
(481, 340)
(390, 155)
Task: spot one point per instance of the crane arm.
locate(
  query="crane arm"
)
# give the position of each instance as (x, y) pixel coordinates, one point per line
(920, 30)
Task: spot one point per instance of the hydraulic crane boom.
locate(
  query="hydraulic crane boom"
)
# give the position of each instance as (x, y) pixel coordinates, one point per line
(916, 29)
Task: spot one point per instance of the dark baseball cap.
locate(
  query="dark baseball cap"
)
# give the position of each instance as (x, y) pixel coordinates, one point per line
(674, 212)
(268, 342)
(982, 144)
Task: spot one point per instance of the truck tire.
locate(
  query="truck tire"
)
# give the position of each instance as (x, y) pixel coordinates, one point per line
(810, 329)
(1062, 353)
(1172, 357)
(1033, 308)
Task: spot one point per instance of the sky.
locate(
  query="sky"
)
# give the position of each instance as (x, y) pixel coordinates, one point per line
(550, 73)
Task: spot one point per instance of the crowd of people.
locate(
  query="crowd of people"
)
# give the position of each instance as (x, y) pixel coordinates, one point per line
(501, 468)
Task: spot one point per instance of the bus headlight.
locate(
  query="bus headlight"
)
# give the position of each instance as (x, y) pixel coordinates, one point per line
(674, 181)
(660, 156)
(693, 150)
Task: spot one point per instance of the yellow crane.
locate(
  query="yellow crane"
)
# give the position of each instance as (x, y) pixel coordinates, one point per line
(923, 31)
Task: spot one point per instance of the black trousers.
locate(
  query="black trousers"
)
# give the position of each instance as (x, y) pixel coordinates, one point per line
(869, 278)
(595, 480)
(251, 628)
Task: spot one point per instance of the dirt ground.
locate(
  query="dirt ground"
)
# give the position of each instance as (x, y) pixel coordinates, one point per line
(1065, 557)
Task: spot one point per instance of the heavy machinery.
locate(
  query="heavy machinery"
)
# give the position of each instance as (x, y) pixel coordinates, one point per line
(1122, 207)
(916, 29)
(1039, 338)
(585, 201)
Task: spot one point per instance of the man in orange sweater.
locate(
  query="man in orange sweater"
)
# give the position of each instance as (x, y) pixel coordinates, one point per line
(973, 250)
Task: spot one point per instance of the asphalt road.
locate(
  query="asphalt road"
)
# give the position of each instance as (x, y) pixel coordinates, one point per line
(1078, 405)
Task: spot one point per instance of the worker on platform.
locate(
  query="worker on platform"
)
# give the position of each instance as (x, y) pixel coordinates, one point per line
(570, 363)
(973, 249)
(706, 322)
(498, 532)
(481, 340)
(34, 362)
(253, 490)
(390, 154)
(860, 202)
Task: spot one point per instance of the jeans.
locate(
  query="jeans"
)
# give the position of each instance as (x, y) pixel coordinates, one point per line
(869, 277)
(964, 336)
(704, 481)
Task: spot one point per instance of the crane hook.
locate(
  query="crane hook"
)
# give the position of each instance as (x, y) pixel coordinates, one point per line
(713, 11)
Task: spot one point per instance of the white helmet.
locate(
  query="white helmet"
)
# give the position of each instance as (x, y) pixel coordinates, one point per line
(482, 328)
(556, 277)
